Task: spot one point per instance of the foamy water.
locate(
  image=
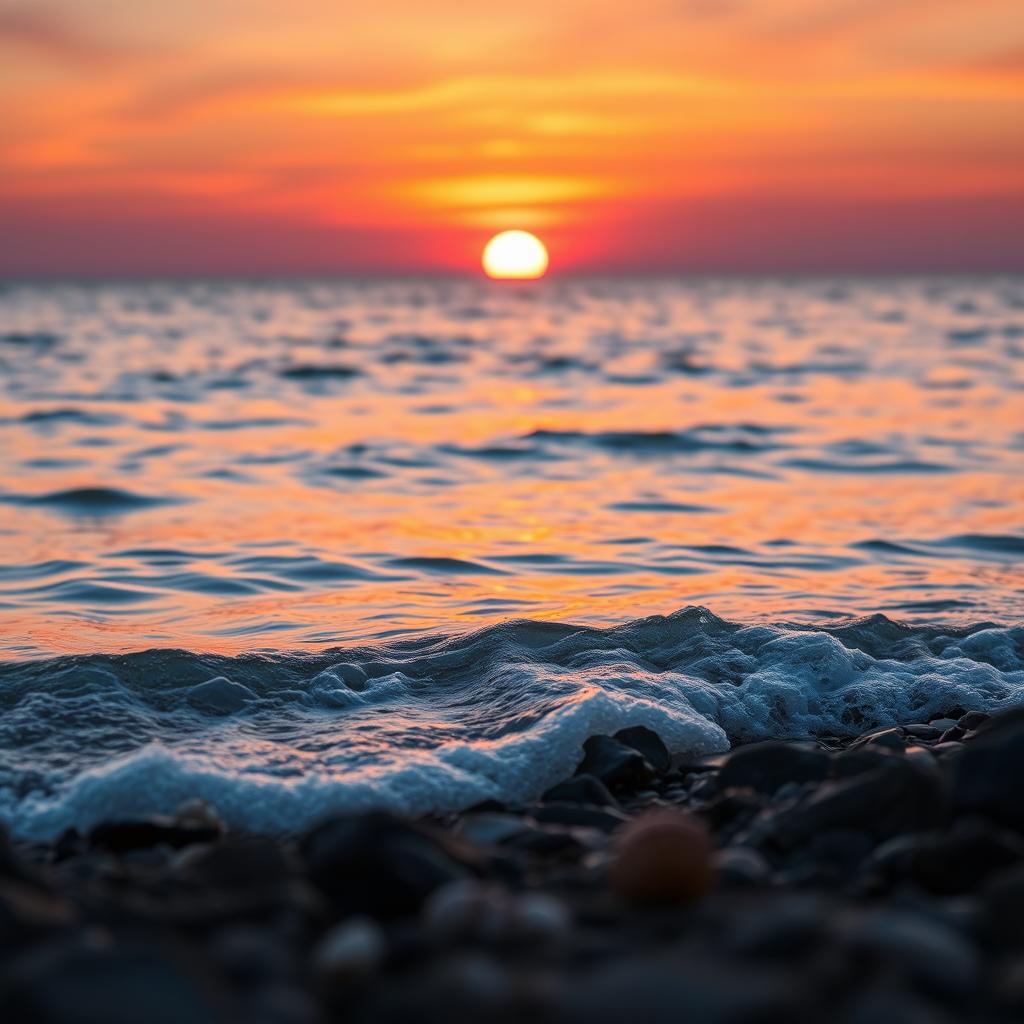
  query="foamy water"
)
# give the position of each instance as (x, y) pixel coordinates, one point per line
(331, 497)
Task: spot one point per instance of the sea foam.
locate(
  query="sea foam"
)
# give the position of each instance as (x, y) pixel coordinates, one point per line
(438, 723)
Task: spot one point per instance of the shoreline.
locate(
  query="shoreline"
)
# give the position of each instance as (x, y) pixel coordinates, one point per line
(785, 880)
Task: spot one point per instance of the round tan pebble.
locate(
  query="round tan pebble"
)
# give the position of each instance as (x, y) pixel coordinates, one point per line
(663, 857)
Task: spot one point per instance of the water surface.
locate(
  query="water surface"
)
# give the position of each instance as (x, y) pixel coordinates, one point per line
(228, 466)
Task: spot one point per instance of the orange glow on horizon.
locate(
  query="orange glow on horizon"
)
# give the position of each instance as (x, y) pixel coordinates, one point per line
(210, 131)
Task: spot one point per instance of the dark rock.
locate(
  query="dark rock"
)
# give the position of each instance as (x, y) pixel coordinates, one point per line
(987, 773)
(666, 989)
(1002, 914)
(920, 731)
(82, 983)
(732, 809)
(604, 818)
(888, 739)
(951, 863)
(240, 862)
(615, 764)
(121, 836)
(740, 867)
(848, 763)
(648, 743)
(28, 913)
(902, 796)
(581, 789)
(252, 957)
(933, 955)
(382, 865)
(954, 735)
(973, 720)
(840, 850)
(765, 767)
(782, 928)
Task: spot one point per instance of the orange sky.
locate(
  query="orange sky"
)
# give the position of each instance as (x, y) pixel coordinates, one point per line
(709, 134)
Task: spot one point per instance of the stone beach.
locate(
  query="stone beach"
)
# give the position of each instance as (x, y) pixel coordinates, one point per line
(866, 881)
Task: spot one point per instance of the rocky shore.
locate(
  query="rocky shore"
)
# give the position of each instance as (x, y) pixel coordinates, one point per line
(867, 881)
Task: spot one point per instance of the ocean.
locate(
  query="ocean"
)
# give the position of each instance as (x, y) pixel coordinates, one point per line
(300, 546)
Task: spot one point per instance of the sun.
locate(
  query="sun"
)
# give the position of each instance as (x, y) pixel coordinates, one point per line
(515, 255)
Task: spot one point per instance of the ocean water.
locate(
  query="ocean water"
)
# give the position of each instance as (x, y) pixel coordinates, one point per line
(301, 546)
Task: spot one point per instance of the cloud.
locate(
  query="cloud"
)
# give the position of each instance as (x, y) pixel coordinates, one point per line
(43, 33)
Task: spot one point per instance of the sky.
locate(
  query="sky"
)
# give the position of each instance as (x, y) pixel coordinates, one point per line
(266, 136)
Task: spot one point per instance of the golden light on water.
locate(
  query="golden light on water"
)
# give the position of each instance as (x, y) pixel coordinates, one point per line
(515, 255)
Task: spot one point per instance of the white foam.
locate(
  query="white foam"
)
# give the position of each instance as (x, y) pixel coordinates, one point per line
(488, 716)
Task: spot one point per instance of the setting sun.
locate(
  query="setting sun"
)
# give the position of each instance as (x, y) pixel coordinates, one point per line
(515, 255)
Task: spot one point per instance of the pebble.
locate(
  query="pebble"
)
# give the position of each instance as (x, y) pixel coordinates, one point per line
(350, 951)
(663, 857)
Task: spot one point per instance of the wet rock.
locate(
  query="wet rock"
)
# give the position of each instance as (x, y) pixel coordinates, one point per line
(240, 862)
(900, 797)
(197, 813)
(779, 929)
(28, 913)
(740, 867)
(934, 956)
(581, 789)
(252, 957)
(617, 765)
(350, 951)
(988, 771)
(606, 819)
(379, 864)
(666, 989)
(83, 982)
(1002, 911)
(942, 724)
(765, 767)
(958, 861)
(732, 810)
(920, 731)
(477, 912)
(122, 836)
(848, 763)
(887, 739)
(973, 720)
(663, 857)
(648, 743)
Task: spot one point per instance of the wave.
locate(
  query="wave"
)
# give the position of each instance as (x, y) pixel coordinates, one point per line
(441, 722)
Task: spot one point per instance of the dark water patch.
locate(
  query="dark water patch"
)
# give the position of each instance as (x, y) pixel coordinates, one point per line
(67, 414)
(36, 570)
(892, 466)
(351, 472)
(255, 423)
(83, 594)
(444, 566)
(938, 605)
(968, 335)
(223, 586)
(1010, 545)
(887, 547)
(315, 372)
(52, 463)
(308, 569)
(91, 501)
(531, 558)
(500, 452)
(660, 441)
(164, 556)
(664, 507)
(30, 339)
